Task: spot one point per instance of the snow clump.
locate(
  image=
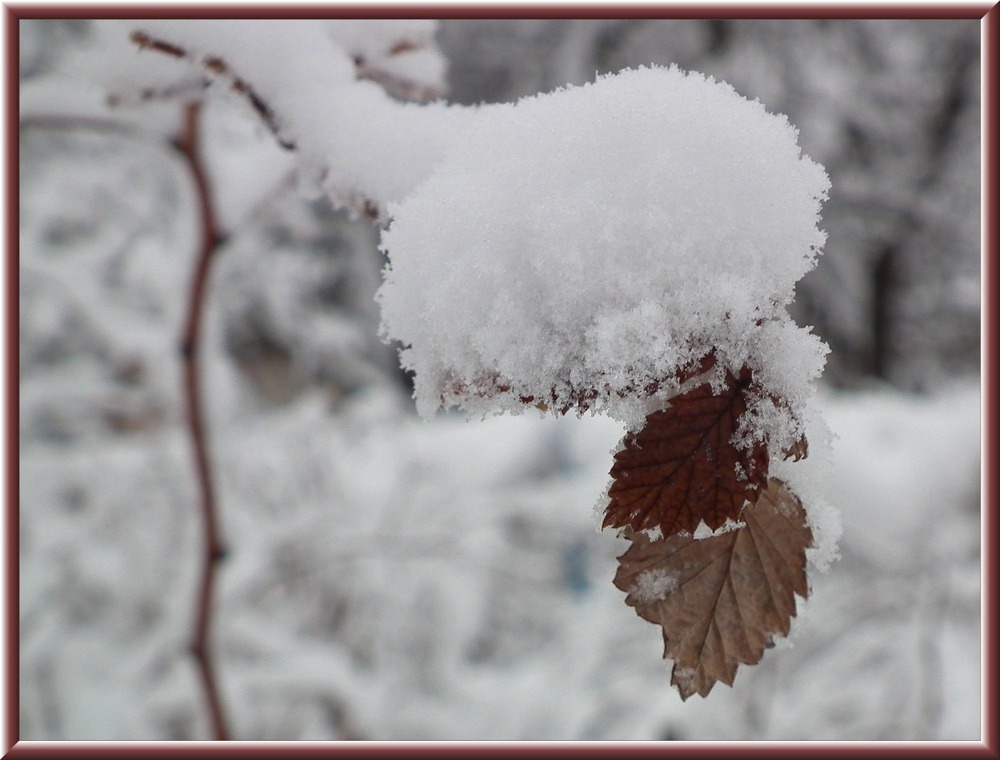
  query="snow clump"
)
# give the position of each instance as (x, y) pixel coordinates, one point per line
(653, 585)
(580, 248)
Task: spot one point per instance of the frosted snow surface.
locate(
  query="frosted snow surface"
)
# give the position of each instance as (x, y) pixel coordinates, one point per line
(601, 238)
(653, 585)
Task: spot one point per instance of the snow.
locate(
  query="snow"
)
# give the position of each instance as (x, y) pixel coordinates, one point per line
(631, 226)
(575, 269)
(352, 136)
(653, 584)
(402, 47)
(884, 504)
(397, 580)
(414, 574)
(703, 531)
(810, 480)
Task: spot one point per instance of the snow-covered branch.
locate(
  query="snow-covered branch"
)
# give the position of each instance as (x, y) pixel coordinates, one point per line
(358, 143)
(627, 247)
(216, 67)
(567, 249)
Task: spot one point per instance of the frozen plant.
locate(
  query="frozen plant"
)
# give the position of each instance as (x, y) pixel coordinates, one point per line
(628, 247)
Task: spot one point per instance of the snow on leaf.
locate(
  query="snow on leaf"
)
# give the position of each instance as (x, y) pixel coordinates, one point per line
(654, 584)
(798, 450)
(731, 594)
(684, 467)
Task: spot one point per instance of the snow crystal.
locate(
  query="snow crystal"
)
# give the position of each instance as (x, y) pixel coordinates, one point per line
(592, 242)
(654, 534)
(703, 531)
(684, 677)
(810, 480)
(653, 584)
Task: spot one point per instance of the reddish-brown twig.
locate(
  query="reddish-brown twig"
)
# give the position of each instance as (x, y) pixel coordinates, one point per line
(212, 550)
(217, 67)
(396, 85)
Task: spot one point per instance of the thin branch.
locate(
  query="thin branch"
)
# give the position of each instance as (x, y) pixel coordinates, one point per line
(399, 86)
(188, 90)
(218, 68)
(213, 551)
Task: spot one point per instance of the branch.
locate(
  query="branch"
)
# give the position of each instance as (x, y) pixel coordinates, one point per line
(213, 551)
(181, 91)
(396, 85)
(217, 68)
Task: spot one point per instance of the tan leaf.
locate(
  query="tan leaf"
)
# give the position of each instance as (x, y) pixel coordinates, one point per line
(683, 467)
(721, 600)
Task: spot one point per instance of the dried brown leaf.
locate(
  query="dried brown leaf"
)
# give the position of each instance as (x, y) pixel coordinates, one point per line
(721, 600)
(683, 466)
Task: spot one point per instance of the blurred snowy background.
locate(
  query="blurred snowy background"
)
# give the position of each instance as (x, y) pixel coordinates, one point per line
(400, 580)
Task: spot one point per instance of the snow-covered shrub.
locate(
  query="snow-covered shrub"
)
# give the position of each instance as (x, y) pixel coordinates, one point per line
(626, 248)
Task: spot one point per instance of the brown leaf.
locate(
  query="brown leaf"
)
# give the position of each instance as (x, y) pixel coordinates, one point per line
(721, 600)
(682, 467)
